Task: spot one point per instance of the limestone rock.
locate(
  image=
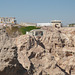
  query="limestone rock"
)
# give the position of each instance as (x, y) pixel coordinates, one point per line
(9, 65)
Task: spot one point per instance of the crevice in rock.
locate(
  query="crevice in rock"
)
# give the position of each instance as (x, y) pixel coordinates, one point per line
(62, 70)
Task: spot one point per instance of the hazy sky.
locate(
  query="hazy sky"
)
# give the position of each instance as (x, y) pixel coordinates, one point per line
(39, 10)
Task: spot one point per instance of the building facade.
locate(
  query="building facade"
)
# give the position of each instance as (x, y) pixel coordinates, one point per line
(56, 23)
(43, 24)
(7, 20)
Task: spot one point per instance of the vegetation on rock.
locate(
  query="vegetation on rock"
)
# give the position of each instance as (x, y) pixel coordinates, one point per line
(19, 30)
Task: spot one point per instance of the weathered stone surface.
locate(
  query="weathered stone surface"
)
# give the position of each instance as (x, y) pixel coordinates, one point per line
(52, 54)
(47, 55)
(9, 65)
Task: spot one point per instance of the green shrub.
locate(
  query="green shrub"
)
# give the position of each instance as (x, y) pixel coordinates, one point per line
(28, 28)
(20, 30)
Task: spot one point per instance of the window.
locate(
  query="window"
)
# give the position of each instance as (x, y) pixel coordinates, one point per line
(36, 33)
(1, 19)
(42, 33)
(9, 20)
(39, 33)
(4, 19)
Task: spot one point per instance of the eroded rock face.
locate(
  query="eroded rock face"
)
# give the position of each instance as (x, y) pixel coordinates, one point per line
(52, 54)
(9, 65)
(48, 55)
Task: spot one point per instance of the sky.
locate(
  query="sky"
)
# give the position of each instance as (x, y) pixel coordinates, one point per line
(36, 11)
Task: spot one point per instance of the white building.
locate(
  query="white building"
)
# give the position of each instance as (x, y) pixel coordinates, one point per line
(7, 20)
(54, 23)
(43, 24)
(36, 32)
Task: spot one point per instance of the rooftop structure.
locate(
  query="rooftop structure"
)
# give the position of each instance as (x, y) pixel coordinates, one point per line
(56, 23)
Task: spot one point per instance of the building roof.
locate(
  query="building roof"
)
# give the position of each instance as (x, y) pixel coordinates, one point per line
(56, 21)
(7, 17)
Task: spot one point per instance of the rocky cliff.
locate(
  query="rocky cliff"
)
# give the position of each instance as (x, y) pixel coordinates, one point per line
(51, 54)
(9, 64)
